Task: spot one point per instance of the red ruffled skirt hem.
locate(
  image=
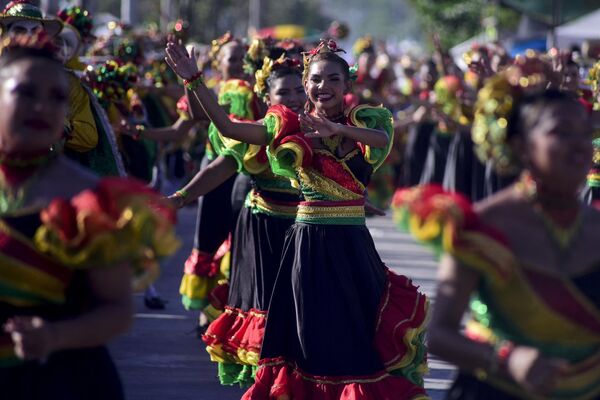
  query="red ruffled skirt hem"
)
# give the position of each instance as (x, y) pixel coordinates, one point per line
(277, 379)
(236, 336)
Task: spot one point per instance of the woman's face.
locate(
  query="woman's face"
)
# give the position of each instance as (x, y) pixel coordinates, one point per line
(326, 86)
(25, 27)
(287, 90)
(33, 100)
(231, 61)
(558, 149)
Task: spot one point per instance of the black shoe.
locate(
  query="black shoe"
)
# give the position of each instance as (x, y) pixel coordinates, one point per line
(155, 303)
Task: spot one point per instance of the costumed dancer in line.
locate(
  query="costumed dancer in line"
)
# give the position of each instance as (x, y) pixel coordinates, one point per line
(526, 259)
(114, 86)
(234, 339)
(340, 325)
(203, 272)
(419, 134)
(71, 243)
(89, 137)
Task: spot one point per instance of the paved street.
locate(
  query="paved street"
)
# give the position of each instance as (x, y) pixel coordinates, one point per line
(161, 359)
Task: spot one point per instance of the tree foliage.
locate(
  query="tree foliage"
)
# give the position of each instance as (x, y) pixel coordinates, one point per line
(457, 20)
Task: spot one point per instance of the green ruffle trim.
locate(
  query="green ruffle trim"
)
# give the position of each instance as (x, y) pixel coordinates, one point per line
(193, 304)
(375, 118)
(415, 371)
(240, 103)
(236, 374)
(223, 146)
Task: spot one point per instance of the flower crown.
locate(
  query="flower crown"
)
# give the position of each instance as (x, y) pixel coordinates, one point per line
(262, 76)
(361, 45)
(324, 46)
(79, 18)
(256, 54)
(216, 46)
(111, 81)
(495, 105)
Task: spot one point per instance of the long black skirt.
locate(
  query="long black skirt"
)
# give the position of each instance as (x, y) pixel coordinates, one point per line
(415, 152)
(326, 334)
(236, 336)
(464, 172)
(214, 221)
(437, 154)
(255, 259)
(83, 374)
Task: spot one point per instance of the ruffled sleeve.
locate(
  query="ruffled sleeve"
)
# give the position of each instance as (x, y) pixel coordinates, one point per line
(121, 221)
(251, 159)
(446, 222)
(366, 116)
(288, 149)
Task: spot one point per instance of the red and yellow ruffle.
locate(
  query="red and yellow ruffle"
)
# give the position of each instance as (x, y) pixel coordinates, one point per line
(447, 222)
(400, 329)
(278, 379)
(121, 221)
(202, 273)
(236, 336)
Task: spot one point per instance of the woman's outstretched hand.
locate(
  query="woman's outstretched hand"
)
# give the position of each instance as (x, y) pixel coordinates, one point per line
(318, 126)
(182, 62)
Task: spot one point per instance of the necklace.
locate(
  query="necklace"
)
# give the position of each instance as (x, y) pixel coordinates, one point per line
(18, 172)
(562, 237)
(333, 142)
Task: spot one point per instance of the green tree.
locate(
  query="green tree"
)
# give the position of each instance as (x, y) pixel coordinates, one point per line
(457, 20)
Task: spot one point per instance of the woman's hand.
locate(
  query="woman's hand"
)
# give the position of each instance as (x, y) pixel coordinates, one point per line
(533, 371)
(32, 337)
(318, 126)
(176, 201)
(182, 63)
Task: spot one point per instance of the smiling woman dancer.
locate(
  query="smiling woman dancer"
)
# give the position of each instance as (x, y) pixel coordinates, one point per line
(67, 242)
(526, 259)
(234, 339)
(341, 325)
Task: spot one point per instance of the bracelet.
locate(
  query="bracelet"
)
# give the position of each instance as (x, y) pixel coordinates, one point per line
(181, 193)
(195, 81)
(139, 130)
(502, 352)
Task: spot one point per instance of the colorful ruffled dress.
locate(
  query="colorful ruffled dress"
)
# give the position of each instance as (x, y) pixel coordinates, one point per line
(202, 270)
(44, 257)
(235, 338)
(341, 325)
(514, 301)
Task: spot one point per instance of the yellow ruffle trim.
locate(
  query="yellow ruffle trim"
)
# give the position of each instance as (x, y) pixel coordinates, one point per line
(140, 236)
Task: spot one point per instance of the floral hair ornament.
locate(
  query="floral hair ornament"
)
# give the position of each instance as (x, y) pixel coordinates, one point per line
(495, 105)
(80, 19)
(216, 46)
(111, 81)
(593, 80)
(262, 76)
(256, 54)
(324, 46)
(362, 45)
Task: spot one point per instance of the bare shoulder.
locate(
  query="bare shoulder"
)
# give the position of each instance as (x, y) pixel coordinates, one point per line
(500, 207)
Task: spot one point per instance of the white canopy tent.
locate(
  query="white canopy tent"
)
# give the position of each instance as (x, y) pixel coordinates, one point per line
(579, 30)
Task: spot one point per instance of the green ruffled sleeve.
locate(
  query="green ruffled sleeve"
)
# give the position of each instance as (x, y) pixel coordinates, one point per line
(380, 118)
